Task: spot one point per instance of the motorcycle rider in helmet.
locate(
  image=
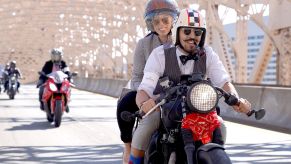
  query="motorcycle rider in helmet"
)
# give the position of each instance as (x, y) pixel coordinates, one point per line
(4, 75)
(188, 35)
(7, 66)
(55, 64)
(159, 16)
(12, 69)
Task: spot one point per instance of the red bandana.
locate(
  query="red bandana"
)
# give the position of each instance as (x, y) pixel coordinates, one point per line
(201, 125)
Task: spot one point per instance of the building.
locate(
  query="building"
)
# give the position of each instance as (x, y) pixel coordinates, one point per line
(255, 39)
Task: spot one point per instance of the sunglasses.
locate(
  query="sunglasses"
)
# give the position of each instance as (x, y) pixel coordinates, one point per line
(165, 20)
(197, 32)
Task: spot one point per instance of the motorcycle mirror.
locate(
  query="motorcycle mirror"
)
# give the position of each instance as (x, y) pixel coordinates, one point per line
(260, 114)
(74, 74)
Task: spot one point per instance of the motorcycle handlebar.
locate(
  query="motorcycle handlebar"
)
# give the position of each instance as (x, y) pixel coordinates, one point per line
(153, 108)
(69, 76)
(232, 100)
(42, 73)
(127, 116)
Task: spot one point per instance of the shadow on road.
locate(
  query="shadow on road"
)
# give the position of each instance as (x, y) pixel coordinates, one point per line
(43, 124)
(105, 154)
(263, 153)
(275, 153)
(33, 126)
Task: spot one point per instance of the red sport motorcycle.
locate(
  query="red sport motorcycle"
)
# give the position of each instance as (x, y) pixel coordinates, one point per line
(56, 95)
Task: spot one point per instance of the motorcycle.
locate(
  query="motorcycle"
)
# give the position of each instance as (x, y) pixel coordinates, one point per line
(189, 131)
(12, 85)
(1, 83)
(56, 95)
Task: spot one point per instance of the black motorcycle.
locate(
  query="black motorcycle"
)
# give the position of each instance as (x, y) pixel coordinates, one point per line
(1, 83)
(12, 85)
(189, 131)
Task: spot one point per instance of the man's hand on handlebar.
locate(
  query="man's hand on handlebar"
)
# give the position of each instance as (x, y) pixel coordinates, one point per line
(243, 106)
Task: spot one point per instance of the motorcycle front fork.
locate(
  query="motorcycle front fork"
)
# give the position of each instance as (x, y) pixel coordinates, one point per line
(187, 137)
(189, 146)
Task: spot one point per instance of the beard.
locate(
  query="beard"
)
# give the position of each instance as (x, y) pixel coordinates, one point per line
(190, 48)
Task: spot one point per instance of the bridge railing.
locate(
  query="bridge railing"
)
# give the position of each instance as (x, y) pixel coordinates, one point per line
(103, 86)
(275, 100)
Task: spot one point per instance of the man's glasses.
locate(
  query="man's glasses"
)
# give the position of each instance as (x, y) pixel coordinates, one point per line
(197, 32)
(165, 20)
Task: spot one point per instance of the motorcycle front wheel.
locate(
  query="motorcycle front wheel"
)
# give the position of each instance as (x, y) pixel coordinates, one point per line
(11, 94)
(58, 113)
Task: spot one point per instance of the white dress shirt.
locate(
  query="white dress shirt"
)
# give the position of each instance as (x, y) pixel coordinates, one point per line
(155, 66)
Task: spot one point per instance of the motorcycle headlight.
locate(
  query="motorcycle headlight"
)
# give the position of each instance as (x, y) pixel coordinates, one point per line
(53, 87)
(202, 98)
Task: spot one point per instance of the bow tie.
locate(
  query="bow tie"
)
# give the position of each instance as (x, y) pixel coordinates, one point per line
(185, 58)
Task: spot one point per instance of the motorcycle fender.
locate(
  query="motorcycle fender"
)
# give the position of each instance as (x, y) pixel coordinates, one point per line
(52, 104)
(210, 146)
(53, 101)
(59, 97)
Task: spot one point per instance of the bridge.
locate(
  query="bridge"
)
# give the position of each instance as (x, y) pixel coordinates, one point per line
(98, 39)
(89, 133)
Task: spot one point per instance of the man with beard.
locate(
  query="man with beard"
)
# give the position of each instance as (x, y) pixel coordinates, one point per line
(189, 55)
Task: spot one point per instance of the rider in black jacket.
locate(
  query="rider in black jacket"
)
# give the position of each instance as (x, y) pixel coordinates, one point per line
(12, 69)
(55, 64)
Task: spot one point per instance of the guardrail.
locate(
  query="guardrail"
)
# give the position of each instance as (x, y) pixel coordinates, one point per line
(276, 101)
(103, 86)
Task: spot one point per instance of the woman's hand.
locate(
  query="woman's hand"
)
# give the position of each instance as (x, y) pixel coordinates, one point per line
(147, 105)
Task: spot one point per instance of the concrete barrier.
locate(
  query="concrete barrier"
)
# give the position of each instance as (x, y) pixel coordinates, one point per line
(275, 100)
(103, 86)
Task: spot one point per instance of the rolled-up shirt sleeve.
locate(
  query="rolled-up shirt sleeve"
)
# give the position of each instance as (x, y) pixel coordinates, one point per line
(153, 70)
(149, 82)
(215, 69)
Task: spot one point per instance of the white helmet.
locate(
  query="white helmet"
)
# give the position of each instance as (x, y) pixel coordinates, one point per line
(56, 54)
(189, 18)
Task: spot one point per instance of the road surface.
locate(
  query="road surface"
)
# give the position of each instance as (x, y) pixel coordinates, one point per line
(90, 134)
